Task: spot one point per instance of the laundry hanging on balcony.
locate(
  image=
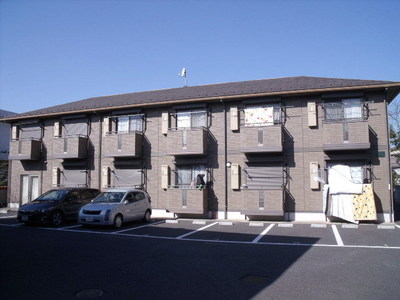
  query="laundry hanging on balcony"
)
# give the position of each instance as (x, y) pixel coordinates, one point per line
(351, 200)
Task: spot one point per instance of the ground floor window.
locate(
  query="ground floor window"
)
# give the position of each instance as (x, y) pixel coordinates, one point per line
(127, 177)
(264, 177)
(190, 176)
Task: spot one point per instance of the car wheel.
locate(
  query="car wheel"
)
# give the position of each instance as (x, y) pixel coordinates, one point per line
(118, 221)
(56, 218)
(147, 216)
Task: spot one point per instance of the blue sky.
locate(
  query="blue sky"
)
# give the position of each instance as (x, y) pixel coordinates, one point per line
(58, 51)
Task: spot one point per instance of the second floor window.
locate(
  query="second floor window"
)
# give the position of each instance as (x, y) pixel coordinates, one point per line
(344, 110)
(127, 124)
(191, 119)
(262, 115)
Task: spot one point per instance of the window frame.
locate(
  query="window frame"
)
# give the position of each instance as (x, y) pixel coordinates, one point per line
(277, 117)
(190, 114)
(115, 121)
(202, 169)
(340, 114)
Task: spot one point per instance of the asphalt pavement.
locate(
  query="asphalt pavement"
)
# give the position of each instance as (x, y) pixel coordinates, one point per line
(199, 259)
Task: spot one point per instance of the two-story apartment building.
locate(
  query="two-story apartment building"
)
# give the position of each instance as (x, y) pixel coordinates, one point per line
(263, 149)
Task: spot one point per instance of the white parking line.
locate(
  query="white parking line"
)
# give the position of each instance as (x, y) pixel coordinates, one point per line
(197, 230)
(129, 229)
(260, 236)
(337, 236)
(181, 238)
(69, 227)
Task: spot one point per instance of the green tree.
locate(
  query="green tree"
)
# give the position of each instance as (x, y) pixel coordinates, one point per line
(3, 173)
(394, 120)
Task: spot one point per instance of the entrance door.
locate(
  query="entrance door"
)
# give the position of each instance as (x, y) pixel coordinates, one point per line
(29, 188)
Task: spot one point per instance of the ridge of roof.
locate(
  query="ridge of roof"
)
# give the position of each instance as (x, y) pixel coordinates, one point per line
(259, 87)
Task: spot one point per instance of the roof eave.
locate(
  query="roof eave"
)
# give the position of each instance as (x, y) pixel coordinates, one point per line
(393, 89)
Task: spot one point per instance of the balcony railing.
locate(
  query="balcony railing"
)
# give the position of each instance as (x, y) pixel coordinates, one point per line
(261, 139)
(25, 149)
(187, 201)
(346, 136)
(262, 202)
(123, 144)
(187, 141)
(70, 147)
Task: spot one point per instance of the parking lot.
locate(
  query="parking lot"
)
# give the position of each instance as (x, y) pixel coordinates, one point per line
(385, 236)
(199, 259)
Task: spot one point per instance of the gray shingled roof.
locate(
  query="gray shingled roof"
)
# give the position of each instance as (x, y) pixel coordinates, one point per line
(212, 91)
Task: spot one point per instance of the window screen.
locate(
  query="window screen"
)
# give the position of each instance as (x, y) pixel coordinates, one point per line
(28, 132)
(75, 127)
(264, 177)
(126, 177)
(74, 177)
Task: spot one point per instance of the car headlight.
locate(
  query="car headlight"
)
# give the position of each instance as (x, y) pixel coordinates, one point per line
(107, 215)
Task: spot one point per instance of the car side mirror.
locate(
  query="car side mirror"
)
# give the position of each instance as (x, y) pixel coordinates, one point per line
(126, 202)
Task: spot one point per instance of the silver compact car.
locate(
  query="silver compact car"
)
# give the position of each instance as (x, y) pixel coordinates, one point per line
(116, 206)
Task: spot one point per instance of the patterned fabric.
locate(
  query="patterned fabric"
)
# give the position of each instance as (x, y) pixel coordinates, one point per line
(258, 116)
(364, 204)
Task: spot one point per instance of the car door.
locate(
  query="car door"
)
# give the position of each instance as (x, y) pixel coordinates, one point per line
(129, 210)
(71, 204)
(140, 204)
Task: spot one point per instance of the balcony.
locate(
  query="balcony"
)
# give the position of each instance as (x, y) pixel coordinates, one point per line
(346, 136)
(70, 147)
(123, 145)
(187, 141)
(187, 201)
(25, 149)
(261, 139)
(262, 202)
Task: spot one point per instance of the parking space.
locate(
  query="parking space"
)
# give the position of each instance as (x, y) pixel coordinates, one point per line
(227, 231)
(329, 235)
(300, 234)
(371, 235)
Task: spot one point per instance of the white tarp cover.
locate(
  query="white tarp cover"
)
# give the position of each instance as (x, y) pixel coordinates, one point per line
(342, 188)
(341, 182)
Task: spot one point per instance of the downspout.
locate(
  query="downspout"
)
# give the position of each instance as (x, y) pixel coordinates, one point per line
(225, 160)
(100, 148)
(390, 164)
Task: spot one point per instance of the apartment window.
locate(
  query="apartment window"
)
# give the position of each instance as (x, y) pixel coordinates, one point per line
(265, 176)
(75, 127)
(262, 115)
(191, 119)
(127, 124)
(187, 176)
(27, 132)
(344, 110)
(357, 171)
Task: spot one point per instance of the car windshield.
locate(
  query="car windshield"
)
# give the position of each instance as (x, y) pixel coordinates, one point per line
(53, 195)
(109, 197)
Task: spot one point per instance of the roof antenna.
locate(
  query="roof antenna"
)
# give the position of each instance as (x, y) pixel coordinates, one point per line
(183, 74)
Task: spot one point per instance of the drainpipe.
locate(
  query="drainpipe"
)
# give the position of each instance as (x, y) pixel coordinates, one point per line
(225, 160)
(390, 165)
(100, 150)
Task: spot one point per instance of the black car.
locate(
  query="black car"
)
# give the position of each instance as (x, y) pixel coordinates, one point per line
(55, 206)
